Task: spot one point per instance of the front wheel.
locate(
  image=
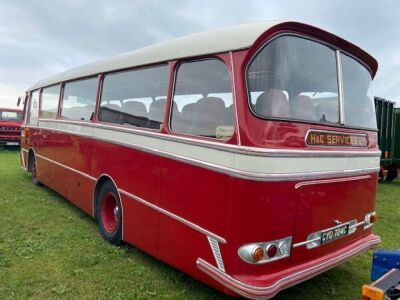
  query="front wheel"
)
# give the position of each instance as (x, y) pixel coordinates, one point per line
(109, 213)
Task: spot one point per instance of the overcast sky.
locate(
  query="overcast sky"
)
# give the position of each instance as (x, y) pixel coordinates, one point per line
(42, 38)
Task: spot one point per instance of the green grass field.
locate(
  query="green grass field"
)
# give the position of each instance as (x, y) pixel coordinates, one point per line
(50, 249)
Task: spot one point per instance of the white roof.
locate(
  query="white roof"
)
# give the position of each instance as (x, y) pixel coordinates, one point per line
(213, 41)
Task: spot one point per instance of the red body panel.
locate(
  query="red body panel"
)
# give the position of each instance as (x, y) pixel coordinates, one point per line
(171, 197)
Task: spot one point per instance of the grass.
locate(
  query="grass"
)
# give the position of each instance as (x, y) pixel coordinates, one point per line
(50, 249)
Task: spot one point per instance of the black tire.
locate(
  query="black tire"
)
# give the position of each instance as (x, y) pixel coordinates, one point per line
(33, 170)
(110, 231)
(392, 174)
(381, 175)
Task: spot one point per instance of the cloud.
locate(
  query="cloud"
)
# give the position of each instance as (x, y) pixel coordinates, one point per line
(41, 38)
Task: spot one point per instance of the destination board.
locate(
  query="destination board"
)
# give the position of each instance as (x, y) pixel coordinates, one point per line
(324, 138)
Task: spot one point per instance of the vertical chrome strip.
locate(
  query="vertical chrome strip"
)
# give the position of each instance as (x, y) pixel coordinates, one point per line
(340, 85)
(217, 253)
(234, 99)
(23, 158)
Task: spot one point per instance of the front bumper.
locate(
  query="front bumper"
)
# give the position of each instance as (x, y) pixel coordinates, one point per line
(266, 289)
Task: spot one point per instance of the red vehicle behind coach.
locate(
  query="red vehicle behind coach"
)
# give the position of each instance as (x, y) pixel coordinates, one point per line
(10, 127)
(246, 157)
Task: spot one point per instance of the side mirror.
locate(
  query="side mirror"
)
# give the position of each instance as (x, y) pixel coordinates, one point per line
(20, 99)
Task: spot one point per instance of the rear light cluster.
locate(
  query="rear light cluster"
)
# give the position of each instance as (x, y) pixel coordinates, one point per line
(265, 252)
(370, 219)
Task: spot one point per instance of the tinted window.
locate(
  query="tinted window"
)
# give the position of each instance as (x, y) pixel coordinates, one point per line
(294, 78)
(359, 108)
(135, 98)
(202, 102)
(79, 99)
(49, 103)
(34, 108)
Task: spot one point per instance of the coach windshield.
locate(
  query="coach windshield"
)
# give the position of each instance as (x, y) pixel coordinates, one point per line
(297, 79)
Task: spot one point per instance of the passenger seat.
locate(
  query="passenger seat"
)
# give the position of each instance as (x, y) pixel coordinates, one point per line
(272, 103)
(134, 113)
(110, 113)
(208, 114)
(302, 108)
(156, 113)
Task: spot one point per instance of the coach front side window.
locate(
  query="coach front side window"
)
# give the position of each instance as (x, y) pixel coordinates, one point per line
(49, 104)
(202, 101)
(79, 99)
(135, 98)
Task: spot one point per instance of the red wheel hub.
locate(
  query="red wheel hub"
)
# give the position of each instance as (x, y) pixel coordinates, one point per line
(110, 212)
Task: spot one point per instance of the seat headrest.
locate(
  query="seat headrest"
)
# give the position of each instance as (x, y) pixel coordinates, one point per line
(272, 103)
(209, 113)
(303, 108)
(135, 108)
(156, 110)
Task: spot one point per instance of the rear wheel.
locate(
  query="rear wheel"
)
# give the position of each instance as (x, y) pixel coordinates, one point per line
(381, 174)
(392, 174)
(109, 213)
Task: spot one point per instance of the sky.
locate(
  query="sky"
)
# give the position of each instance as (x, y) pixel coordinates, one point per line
(42, 38)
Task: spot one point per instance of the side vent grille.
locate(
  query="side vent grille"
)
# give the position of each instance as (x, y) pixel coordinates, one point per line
(217, 253)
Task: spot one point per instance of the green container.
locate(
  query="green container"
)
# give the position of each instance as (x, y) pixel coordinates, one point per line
(396, 137)
(388, 119)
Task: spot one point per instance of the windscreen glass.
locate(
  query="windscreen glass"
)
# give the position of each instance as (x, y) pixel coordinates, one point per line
(12, 116)
(294, 78)
(359, 108)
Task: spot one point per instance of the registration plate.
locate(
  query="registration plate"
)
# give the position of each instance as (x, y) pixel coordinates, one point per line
(12, 143)
(334, 233)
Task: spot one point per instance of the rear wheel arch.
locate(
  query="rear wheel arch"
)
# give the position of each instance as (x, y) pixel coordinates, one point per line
(31, 157)
(106, 185)
(32, 166)
(99, 183)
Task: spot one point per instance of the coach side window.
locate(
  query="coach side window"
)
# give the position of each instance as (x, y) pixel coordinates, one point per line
(79, 99)
(34, 108)
(202, 102)
(49, 102)
(135, 98)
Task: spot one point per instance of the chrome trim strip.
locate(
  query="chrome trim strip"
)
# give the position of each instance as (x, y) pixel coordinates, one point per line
(256, 176)
(217, 253)
(144, 202)
(234, 99)
(340, 87)
(327, 181)
(266, 292)
(175, 217)
(66, 167)
(247, 150)
(304, 243)
(23, 158)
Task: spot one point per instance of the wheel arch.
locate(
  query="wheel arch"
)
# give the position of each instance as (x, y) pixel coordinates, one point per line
(31, 155)
(100, 181)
